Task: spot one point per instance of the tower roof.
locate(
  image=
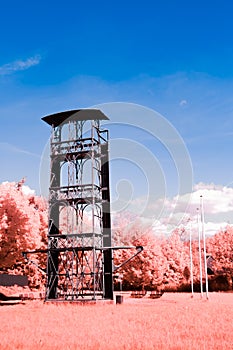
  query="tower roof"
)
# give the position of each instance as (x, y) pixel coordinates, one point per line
(76, 114)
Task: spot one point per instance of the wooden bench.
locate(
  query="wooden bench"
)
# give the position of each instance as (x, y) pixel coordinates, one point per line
(138, 294)
(155, 294)
(9, 300)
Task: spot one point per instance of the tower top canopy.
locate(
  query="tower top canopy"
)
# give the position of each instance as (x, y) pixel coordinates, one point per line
(76, 114)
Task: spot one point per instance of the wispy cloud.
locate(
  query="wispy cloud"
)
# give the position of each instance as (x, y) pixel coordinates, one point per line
(12, 148)
(19, 65)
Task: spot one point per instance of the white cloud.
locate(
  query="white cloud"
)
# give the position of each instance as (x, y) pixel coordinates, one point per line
(27, 190)
(216, 199)
(19, 65)
(183, 103)
(213, 227)
(171, 213)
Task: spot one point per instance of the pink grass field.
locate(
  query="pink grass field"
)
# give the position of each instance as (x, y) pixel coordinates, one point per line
(175, 321)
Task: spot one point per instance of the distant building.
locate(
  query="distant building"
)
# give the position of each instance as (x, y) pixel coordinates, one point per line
(210, 260)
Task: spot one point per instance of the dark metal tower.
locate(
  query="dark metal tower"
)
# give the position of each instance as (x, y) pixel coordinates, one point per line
(79, 264)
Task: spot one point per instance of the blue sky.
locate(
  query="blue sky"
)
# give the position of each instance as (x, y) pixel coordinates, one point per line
(171, 56)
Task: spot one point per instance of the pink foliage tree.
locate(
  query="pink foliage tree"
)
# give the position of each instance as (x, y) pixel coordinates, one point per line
(177, 261)
(147, 269)
(220, 247)
(23, 226)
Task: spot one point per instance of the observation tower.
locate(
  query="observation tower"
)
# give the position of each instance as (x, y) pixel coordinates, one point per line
(80, 263)
(79, 254)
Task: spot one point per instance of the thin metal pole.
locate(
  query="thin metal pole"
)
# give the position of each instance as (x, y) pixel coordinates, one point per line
(191, 256)
(199, 248)
(93, 207)
(204, 246)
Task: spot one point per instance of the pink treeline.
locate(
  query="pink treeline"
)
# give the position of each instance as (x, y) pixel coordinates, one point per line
(164, 263)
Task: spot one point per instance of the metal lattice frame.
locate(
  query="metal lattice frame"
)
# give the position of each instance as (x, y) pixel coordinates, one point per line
(79, 216)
